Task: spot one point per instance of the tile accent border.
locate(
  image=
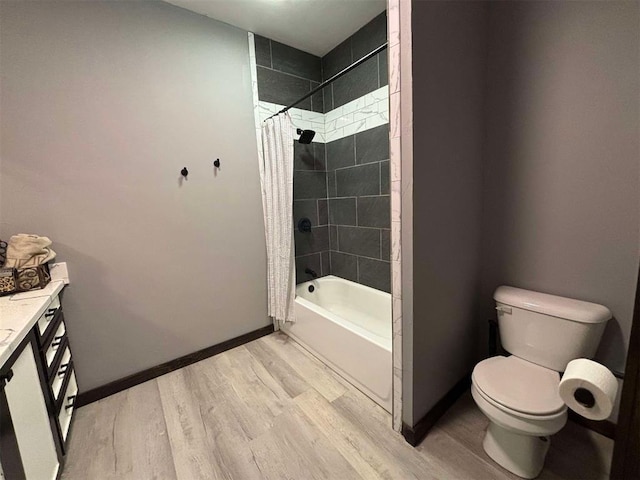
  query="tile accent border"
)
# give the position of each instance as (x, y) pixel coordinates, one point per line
(369, 111)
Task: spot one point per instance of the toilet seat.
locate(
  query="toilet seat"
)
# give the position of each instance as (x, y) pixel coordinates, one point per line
(519, 387)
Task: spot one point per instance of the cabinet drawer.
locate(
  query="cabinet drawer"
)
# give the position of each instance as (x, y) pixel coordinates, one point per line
(61, 362)
(58, 378)
(56, 344)
(68, 406)
(44, 322)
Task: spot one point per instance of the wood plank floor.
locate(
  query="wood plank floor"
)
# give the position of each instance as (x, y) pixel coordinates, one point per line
(270, 410)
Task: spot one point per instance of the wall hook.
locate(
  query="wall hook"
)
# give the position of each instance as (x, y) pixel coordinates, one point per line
(216, 163)
(184, 172)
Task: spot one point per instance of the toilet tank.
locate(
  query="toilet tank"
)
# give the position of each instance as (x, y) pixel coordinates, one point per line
(548, 330)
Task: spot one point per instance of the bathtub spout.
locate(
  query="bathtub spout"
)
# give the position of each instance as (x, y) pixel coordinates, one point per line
(308, 271)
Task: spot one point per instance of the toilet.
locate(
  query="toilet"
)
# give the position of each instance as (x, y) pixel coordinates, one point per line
(519, 393)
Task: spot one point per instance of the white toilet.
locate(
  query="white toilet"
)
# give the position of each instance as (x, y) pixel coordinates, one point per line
(519, 394)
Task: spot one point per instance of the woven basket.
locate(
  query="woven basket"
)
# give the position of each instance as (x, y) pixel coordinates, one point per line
(15, 280)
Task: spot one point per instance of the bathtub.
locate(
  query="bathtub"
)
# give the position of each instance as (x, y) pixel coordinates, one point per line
(348, 327)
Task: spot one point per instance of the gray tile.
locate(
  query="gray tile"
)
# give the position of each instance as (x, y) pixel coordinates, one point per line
(312, 242)
(373, 145)
(309, 185)
(317, 99)
(358, 82)
(333, 237)
(369, 37)
(325, 263)
(383, 68)
(296, 62)
(319, 154)
(359, 241)
(323, 212)
(303, 156)
(341, 153)
(374, 212)
(386, 244)
(303, 262)
(263, 51)
(374, 273)
(336, 59)
(344, 266)
(328, 98)
(282, 88)
(342, 211)
(357, 181)
(384, 177)
(331, 185)
(305, 209)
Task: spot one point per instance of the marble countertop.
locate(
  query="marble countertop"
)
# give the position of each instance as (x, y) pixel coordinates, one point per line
(20, 312)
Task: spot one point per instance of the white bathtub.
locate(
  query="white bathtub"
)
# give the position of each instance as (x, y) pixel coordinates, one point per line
(348, 327)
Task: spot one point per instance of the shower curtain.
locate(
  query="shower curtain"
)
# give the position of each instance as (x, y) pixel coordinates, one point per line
(276, 178)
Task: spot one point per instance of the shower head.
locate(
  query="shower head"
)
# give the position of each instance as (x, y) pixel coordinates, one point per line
(305, 135)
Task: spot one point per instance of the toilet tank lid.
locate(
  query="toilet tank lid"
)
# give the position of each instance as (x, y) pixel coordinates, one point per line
(561, 307)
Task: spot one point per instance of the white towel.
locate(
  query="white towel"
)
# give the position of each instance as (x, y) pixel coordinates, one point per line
(24, 250)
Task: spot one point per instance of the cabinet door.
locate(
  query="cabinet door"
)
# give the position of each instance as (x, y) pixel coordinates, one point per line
(30, 419)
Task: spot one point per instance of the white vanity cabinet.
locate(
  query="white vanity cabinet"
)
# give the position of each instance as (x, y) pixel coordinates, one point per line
(37, 390)
(30, 418)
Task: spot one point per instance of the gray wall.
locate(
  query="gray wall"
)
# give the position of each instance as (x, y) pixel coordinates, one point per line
(526, 171)
(562, 156)
(102, 104)
(448, 87)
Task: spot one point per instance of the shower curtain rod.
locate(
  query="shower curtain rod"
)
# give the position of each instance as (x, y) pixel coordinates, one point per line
(334, 78)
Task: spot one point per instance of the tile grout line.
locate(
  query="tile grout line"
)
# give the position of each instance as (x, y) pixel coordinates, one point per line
(360, 165)
(273, 69)
(357, 219)
(362, 256)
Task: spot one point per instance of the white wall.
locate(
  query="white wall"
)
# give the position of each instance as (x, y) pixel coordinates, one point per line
(102, 104)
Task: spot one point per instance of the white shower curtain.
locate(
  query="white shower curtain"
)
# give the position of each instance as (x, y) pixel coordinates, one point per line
(276, 178)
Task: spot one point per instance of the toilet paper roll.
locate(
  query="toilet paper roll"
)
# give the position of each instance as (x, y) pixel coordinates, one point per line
(589, 389)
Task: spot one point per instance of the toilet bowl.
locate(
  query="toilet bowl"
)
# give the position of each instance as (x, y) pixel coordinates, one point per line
(521, 401)
(519, 394)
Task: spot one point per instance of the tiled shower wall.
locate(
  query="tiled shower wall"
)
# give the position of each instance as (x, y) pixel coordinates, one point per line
(367, 77)
(359, 210)
(284, 75)
(343, 186)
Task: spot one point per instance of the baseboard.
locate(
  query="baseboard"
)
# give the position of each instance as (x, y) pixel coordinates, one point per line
(414, 435)
(90, 396)
(605, 427)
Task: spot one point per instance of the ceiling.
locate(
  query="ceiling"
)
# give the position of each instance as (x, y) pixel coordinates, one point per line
(315, 26)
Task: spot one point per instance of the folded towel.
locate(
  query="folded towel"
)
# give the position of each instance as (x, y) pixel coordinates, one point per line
(26, 250)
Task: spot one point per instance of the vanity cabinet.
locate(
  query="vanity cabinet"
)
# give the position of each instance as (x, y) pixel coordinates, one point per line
(30, 419)
(37, 396)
